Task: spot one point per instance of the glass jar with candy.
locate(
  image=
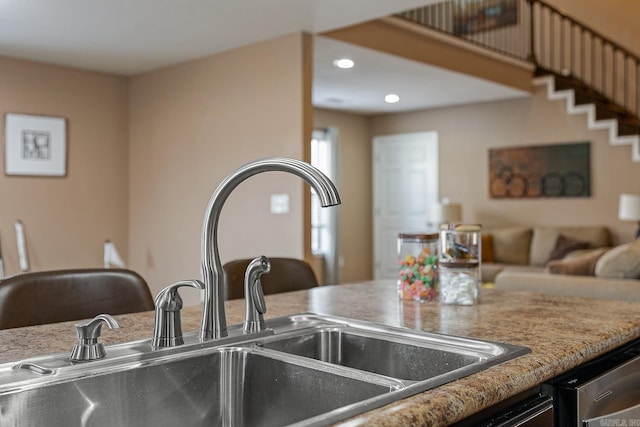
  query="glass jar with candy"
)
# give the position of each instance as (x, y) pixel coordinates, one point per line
(418, 266)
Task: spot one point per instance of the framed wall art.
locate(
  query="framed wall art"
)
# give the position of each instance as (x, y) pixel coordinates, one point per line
(475, 16)
(558, 170)
(35, 145)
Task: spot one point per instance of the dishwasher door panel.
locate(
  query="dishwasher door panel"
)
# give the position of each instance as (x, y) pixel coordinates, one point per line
(626, 417)
(603, 392)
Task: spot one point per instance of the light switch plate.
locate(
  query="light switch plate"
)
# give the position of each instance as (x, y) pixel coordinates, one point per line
(279, 204)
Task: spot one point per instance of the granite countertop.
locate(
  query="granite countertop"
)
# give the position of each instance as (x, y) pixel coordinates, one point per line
(562, 332)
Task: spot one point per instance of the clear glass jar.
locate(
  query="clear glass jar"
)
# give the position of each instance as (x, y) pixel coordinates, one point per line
(418, 266)
(459, 264)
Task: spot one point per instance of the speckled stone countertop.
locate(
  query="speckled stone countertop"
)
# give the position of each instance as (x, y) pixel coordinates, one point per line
(562, 332)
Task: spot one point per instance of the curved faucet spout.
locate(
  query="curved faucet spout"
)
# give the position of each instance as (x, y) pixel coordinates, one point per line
(214, 322)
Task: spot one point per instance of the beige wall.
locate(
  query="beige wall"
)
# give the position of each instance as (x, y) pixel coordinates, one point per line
(67, 219)
(194, 123)
(615, 19)
(467, 132)
(354, 183)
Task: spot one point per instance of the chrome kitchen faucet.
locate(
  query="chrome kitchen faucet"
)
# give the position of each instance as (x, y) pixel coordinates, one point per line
(214, 322)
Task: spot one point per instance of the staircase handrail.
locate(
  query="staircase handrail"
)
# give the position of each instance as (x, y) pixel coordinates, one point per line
(598, 34)
(547, 37)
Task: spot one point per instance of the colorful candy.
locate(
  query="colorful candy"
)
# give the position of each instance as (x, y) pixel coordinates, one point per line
(418, 276)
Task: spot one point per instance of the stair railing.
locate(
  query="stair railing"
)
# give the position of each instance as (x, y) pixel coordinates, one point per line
(534, 31)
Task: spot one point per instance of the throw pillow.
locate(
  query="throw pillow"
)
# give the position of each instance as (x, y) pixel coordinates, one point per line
(487, 248)
(564, 245)
(511, 244)
(621, 262)
(583, 265)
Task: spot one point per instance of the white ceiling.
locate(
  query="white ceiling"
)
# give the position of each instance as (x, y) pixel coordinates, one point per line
(362, 88)
(135, 36)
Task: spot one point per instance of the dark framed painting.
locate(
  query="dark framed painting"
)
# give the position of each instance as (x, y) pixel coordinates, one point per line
(475, 16)
(558, 170)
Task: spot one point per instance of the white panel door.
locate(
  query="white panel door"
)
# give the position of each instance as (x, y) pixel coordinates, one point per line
(405, 186)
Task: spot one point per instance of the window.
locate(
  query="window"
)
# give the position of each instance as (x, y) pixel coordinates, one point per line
(320, 218)
(324, 223)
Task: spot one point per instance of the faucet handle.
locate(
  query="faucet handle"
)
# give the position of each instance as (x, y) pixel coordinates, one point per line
(258, 298)
(254, 304)
(167, 328)
(88, 348)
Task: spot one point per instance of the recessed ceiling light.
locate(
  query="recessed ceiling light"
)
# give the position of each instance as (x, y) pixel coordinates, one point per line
(344, 63)
(392, 98)
(334, 100)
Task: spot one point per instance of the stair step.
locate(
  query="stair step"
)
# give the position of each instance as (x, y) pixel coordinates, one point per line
(580, 89)
(630, 121)
(627, 123)
(604, 114)
(628, 126)
(626, 129)
(582, 99)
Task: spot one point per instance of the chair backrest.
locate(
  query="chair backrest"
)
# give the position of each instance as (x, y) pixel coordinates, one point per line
(57, 296)
(287, 274)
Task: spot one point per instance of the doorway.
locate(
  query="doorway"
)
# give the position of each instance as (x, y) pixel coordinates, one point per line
(405, 186)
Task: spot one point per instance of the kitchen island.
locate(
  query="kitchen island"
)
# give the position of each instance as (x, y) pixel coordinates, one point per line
(562, 332)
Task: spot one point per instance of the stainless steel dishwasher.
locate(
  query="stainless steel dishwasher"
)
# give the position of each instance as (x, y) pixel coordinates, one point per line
(603, 392)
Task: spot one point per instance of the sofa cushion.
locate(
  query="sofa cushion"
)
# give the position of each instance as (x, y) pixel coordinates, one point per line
(583, 265)
(621, 262)
(580, 286)
(544, 240)
(511, 244)
(564, 246)
(583, 252)
(489, 271)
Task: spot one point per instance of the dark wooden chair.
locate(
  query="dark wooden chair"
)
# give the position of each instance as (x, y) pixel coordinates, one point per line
(287, 274)
(57, 296)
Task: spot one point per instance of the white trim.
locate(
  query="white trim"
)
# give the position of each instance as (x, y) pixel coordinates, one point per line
(590, 110)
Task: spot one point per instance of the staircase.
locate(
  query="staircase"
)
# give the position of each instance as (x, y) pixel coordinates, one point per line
(593, 74)
(623, 129)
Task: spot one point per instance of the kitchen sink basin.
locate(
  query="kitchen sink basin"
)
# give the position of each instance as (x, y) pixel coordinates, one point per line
(393, 356)
(221, 387)
(305, 370)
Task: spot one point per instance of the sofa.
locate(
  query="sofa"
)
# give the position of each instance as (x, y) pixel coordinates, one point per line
(528, 249)
(591, 269)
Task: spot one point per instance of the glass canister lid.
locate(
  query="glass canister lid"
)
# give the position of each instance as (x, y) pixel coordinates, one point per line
(418, 237)
(461, 227)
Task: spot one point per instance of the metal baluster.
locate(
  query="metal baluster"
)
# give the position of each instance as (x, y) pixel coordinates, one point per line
(625, 80)
(603, 69)
(637, 64)
(593, 58)
(583, 56)
(562, 46)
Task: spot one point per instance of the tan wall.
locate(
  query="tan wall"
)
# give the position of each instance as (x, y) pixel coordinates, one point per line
(354, 152)
(467, 132)
(615, 19)
(194, 123)
(67, 219)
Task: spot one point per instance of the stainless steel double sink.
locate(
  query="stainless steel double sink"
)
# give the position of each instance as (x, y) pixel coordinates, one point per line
(305, 370)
